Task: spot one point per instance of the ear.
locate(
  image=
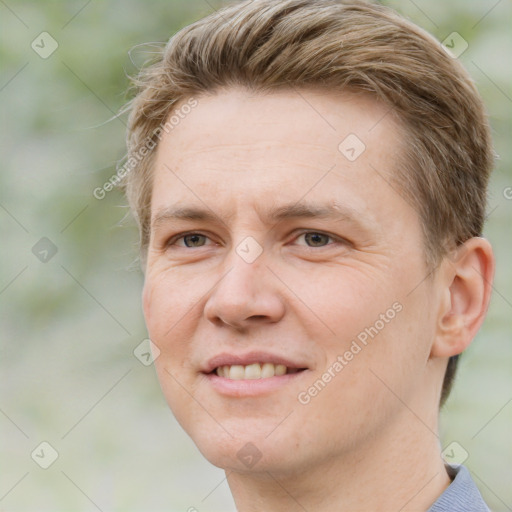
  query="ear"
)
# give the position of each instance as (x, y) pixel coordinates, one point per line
(466, 278)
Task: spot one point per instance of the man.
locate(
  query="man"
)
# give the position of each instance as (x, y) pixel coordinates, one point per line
(309, 178)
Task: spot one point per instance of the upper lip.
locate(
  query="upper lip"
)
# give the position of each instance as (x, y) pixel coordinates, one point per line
(226, 359)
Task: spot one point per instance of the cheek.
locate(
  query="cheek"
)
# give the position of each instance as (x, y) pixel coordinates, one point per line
(360, 392)
(159, 305)
(172, 312)
(342, 300)
(156, 303)
(164, 302)
(373, 324)
(167, 315)
(391, 356)
(173, 384)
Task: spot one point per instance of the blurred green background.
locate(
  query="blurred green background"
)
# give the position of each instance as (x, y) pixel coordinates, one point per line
(69, 325)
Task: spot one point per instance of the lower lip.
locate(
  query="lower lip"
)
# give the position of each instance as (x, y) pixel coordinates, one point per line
(251, 387)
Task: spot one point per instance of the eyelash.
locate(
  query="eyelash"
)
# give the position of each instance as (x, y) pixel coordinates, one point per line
(181, 236)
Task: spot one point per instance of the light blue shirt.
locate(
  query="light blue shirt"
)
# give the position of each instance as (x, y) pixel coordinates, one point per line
(462, 494)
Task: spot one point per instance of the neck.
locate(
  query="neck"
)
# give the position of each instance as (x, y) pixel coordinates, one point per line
(401, 469)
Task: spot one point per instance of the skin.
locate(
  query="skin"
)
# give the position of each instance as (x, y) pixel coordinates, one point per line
(368, 440)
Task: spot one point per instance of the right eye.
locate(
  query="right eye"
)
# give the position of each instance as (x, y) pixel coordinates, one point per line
(189, 240)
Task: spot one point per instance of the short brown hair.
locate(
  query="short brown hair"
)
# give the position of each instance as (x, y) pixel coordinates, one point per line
(265, 45)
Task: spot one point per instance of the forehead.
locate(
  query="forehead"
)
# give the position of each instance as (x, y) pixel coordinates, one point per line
(250, 148)
(316, 119)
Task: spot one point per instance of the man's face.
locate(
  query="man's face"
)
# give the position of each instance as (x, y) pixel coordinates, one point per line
(258, 284)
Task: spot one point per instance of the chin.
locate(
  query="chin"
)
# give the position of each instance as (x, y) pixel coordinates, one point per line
(248, 450)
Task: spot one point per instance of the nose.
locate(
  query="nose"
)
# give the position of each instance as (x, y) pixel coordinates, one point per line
(247, 295)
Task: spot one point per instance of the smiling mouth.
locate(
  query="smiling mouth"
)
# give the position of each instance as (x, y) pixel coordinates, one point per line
(254, 371)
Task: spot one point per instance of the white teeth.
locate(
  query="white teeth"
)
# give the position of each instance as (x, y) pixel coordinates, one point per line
(280, 369)
(267, 370)
(236, 372)
(252, 371)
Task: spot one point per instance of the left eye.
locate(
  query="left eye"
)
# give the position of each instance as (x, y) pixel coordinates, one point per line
(315, 239)
(193, 240)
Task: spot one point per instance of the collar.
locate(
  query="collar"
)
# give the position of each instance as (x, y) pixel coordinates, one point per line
(462, 495)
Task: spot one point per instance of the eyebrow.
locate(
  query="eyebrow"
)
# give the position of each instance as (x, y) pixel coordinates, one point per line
(302, 210)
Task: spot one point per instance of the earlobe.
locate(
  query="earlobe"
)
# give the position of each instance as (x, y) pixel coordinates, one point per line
(467, 283)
